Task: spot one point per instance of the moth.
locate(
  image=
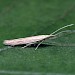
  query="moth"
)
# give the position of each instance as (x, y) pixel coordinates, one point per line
(33, 39)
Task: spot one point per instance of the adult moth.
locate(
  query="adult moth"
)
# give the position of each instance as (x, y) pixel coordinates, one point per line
(33, 39)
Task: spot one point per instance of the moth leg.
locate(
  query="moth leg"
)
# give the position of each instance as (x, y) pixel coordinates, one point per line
(27, 45)
(39, 45)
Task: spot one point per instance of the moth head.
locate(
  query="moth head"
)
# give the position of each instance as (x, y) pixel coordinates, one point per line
(52, 37)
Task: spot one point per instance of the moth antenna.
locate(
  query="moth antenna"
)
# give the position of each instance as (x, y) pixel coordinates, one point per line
(61, 29)
(67, 31)
(54, 33)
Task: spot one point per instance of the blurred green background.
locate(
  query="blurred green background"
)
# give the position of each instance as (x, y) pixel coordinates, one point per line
(22, 18)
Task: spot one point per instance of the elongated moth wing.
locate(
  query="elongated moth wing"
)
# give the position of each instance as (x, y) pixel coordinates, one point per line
(27, 40)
